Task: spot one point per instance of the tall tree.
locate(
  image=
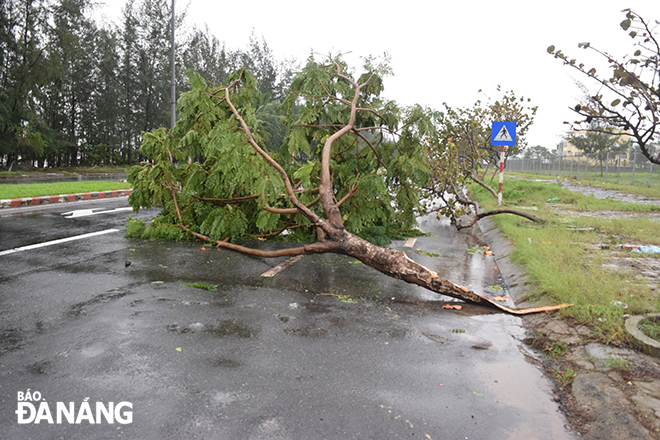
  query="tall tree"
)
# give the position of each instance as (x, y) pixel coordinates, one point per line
(72, 77)
(106, 137)
(599, 142)
(362, 178)
(629, 96)
(128, 117)
(23, 43)
(538, 151)
(207, 56)
(153, 63)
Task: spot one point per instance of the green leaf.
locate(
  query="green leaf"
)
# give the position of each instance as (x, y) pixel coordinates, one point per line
(625, 24)
(615, 102)
(551, 49)
(204, 286)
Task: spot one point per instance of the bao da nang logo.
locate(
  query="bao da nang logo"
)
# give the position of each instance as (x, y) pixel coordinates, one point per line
(32, 408)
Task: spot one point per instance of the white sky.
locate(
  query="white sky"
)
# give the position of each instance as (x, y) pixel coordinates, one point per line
(442, 51)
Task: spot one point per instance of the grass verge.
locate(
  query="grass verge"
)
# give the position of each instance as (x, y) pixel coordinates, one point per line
(15, 191)
(567, 258)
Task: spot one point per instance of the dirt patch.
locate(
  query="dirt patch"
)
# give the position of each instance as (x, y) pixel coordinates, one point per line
(645, 268)
(605, 392)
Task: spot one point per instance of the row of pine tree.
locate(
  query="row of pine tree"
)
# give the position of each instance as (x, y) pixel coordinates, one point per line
(79, 91)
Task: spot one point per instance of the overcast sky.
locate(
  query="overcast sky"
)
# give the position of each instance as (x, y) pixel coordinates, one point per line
(442, 51)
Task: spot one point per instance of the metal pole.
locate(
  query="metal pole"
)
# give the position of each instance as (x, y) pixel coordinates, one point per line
(499, 193)
(607, 164)
(634, 163)
(597, 159)
(650, 167)
(559, 167)
(571, 173)
(173, 99)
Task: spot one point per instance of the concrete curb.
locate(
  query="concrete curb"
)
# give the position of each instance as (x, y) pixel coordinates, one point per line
(44, 200)
(640, 340)
(514, 276)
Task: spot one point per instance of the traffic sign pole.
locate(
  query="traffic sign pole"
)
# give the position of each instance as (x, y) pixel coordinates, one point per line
(499, 192)
(502, 134)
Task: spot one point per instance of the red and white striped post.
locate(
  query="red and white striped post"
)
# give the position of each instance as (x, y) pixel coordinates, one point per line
(502, 134)
(499, 192)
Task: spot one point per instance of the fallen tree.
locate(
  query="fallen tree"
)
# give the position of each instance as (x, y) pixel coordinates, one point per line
(360, 178)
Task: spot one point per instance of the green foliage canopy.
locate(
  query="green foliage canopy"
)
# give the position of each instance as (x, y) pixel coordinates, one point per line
(211, 170)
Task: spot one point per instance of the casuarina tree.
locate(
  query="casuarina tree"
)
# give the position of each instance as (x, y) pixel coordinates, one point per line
(348, 175)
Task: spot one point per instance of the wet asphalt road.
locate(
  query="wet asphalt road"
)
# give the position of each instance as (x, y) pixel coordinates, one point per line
(326, 349)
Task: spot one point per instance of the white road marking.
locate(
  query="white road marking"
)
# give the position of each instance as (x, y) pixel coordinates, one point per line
(86, 212)
(280, 267)
(53, 242)
(410, 242)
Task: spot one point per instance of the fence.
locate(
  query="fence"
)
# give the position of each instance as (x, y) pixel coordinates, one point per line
(618, 168)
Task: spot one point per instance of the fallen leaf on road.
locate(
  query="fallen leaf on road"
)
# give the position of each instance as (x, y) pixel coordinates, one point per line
(495, 268)
(477, 394)
(501, 298)
(452, 306)
(202, 248)
(178, 349)
(488, 253)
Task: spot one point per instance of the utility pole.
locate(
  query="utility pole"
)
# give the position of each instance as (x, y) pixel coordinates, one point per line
(173, 99)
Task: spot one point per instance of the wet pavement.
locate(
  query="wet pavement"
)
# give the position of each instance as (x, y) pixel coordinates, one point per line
(327, 348)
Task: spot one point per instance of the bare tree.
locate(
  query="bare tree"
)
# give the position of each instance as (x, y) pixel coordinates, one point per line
(629, 96)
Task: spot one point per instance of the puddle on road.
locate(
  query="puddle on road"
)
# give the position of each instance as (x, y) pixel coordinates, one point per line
(224, 328)
(82, 307)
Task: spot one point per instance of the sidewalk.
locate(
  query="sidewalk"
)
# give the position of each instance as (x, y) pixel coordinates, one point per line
(43, 200)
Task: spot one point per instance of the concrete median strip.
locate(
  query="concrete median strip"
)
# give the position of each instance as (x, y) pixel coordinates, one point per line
(42, 200)
(280, 267)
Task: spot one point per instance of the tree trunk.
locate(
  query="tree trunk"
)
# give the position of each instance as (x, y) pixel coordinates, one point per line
(397, 264)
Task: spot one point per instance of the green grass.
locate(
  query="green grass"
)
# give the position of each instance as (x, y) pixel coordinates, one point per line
(203, 286)
(10, 191)
(564, 259)
(651, 328)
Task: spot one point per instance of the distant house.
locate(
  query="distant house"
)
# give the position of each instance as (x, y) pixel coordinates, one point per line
(567, 150)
